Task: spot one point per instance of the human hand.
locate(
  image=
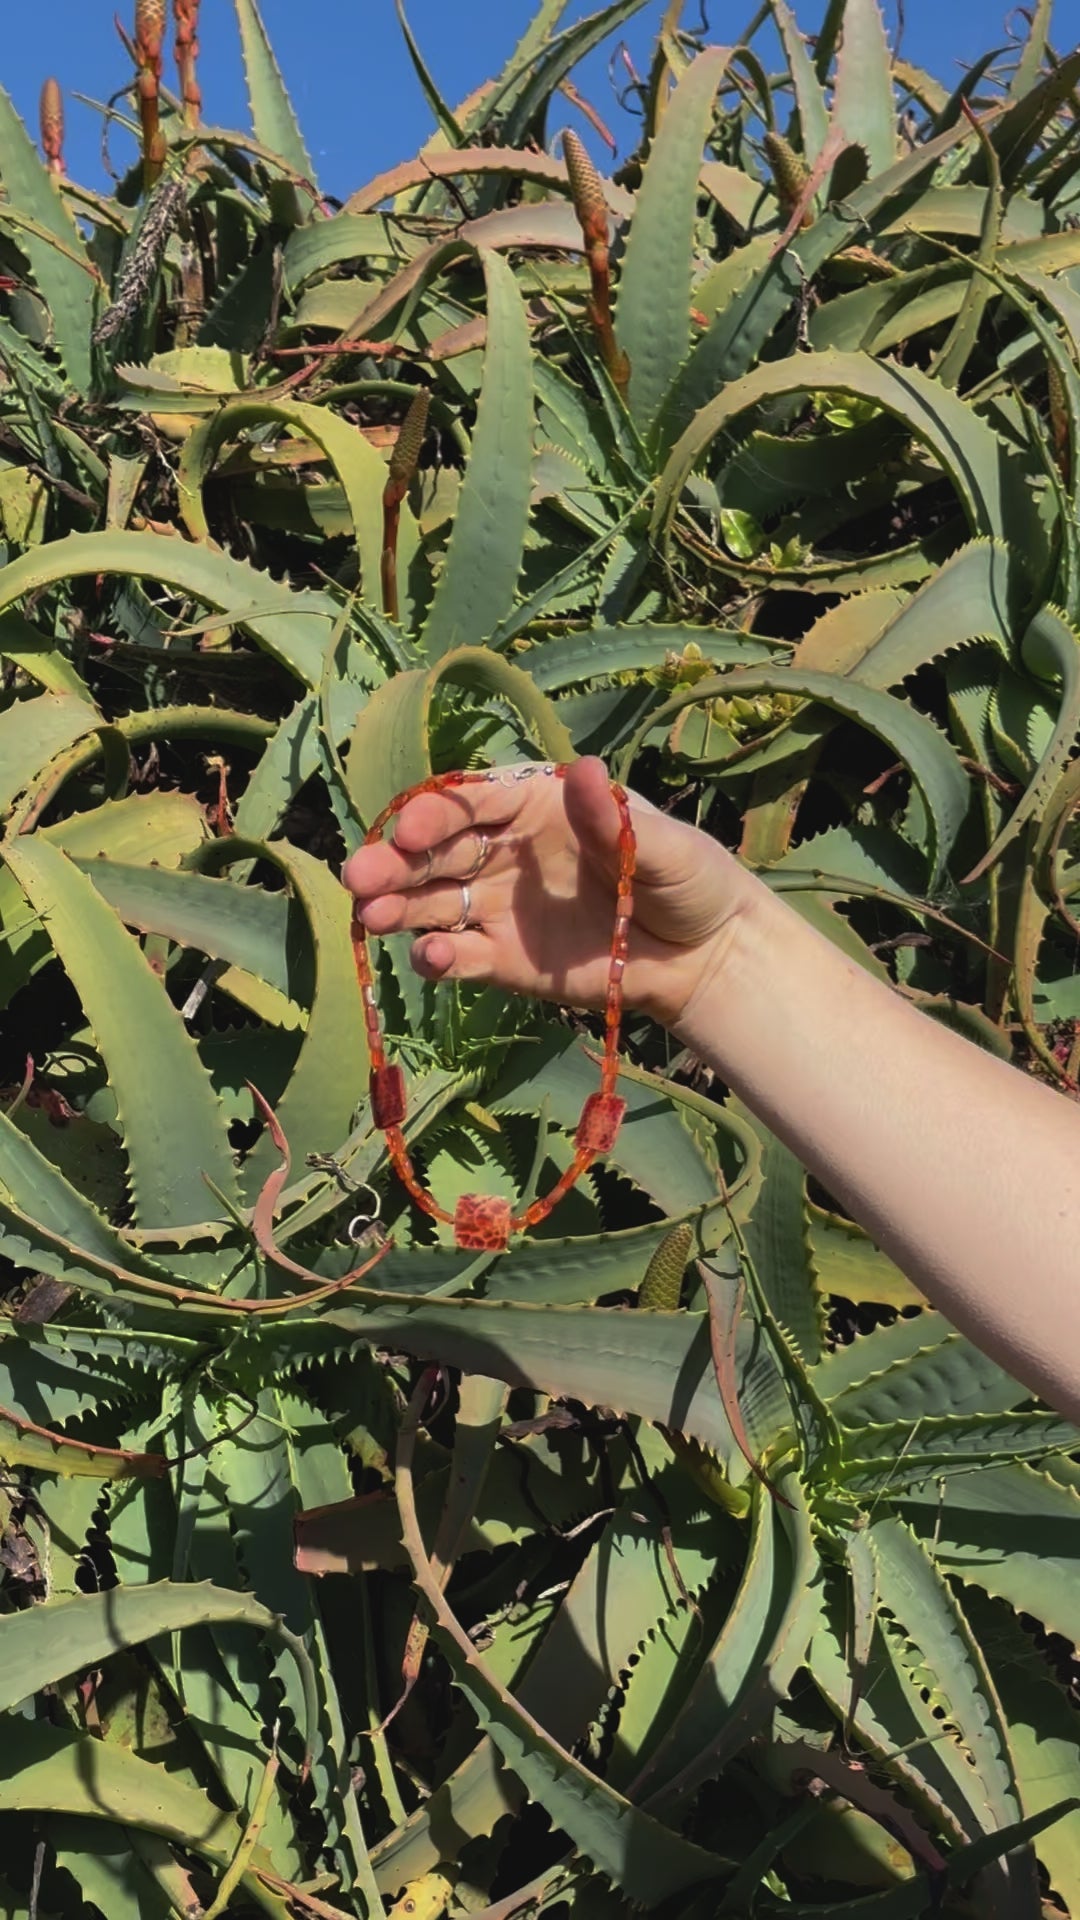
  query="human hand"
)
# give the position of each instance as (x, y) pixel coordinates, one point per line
(543, 898)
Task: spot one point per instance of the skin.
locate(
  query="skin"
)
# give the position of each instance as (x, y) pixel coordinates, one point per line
(966, 1171)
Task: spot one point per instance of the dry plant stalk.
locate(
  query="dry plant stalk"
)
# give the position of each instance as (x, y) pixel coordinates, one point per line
(149, 35)
(52, 125)
(403, 464)
(591, 208)
(186, 16)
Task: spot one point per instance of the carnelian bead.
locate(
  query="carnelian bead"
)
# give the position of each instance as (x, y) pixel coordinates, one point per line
(482, 1222)
(386, 1085)
(598, 1128)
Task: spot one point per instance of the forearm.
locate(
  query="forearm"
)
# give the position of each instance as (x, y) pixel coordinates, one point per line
(961, 1168)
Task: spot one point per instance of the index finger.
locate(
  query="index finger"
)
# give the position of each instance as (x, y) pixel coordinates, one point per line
(492, 802)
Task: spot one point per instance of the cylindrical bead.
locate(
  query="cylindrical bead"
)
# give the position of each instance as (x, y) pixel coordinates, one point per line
(601, 1118)
(387, 1093)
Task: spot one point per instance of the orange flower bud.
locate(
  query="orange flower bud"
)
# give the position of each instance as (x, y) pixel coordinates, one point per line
(52, 125)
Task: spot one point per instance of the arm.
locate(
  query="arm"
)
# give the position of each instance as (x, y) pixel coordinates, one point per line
(965, 1171)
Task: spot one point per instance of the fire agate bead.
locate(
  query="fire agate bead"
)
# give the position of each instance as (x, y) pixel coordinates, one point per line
(386, 1086)
(482, 1222)
(601, 1118)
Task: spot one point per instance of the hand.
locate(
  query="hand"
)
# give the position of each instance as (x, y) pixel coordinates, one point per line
(543, 898)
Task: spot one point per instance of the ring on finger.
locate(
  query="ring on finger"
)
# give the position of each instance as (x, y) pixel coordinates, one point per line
(462, 920)
(483, 849)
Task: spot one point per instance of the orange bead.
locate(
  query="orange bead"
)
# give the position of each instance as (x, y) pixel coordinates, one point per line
(598, 1128)
(386, 1088)
(482, 1222)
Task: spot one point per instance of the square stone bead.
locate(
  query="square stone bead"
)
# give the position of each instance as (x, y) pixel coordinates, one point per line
(601, 1117)
(386, 1089)
(482, 1222)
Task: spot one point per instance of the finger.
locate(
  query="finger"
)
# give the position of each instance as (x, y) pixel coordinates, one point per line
(440, 905)
(458, 956)
(384, 868)
(434, 817)
(595, 820)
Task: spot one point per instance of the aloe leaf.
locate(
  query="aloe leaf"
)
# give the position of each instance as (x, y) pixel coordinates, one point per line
(42, 229)
(881, 315)
(389, 749)
(942, 1652)
(1012, 1530)
(949, 364)
(34, 733)
(39, 658)
(573, 659)
(1043, 1735)
(293, 626)
(245, 926)
(657, 1365)
(933, 764)
(31, 1185)
(361, 470)
(777, 1242)
(624, 1588)
(848, 1265)
(52, 1771)
(272, 115)
(909, 1371)
(480, 1792)
(751, 1665)
(629, 1847)
(987, 480)
(329, 1078)
(476, 587)
(172, 1123)
(1019, 127)
(810, 105)
(40, 1644)
(894, 1724)
(444, 119)
(653, 312)
(311, 251)
(1050, 645)
(734, 340)
(523, 92)
(886, 1458)
(655, 1147)
(284, 1460)
(967, 599)
(548, 1271)
(863, 106)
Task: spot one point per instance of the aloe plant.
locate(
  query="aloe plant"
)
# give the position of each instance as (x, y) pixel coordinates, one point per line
(726, 1577)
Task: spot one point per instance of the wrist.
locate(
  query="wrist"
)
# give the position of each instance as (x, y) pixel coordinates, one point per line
(688, 996)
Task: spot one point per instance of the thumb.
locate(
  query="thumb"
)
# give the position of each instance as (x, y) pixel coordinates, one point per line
(595, 821)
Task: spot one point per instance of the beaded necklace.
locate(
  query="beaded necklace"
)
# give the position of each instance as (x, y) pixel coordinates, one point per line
(485, 1222)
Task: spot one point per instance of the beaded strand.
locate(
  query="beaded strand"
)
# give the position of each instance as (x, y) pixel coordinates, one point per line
(485, 1222)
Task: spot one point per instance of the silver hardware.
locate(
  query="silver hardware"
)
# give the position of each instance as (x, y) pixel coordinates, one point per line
(483, 848)
(462, 921)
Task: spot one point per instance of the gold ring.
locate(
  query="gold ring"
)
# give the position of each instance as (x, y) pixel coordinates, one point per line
(483, 848)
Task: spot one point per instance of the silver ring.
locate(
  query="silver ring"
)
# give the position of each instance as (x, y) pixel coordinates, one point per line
(483, 848)
(462, 921)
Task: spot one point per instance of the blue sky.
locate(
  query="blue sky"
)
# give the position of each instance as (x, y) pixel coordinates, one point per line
(353, 87)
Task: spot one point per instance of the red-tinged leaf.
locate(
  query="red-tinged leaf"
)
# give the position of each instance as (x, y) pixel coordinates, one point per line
(723, 1328)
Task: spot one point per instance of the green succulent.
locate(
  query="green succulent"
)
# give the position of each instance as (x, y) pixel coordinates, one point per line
(754, 468)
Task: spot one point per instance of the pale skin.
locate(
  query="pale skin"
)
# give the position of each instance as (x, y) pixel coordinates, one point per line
(966, 1171)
